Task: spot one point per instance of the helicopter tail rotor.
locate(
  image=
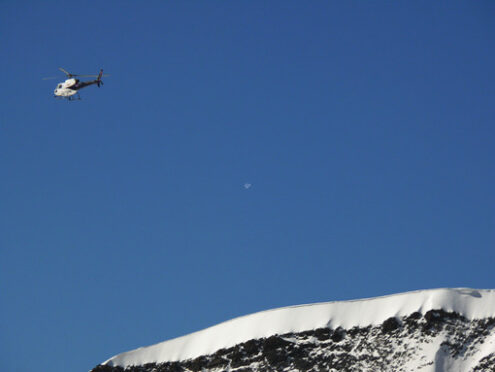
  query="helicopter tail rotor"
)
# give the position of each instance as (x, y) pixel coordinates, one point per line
(98, 81)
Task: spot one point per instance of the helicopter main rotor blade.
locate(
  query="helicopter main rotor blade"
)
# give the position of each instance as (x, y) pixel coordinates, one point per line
(50, 78)
(65, 72)
(91, 75)
(104, 75)
(69, 75)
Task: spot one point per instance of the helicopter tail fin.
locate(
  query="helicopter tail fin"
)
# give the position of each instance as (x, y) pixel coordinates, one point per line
(98, 81)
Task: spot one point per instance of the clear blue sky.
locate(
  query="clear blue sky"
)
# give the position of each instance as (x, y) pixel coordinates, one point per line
(365, 128)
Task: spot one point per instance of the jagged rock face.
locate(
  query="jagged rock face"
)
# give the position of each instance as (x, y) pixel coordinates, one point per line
(439, 341)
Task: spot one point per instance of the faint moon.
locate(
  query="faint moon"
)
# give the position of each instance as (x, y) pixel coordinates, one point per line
(247, 186)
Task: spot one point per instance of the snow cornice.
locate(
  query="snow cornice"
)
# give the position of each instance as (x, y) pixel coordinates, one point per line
(470, 303)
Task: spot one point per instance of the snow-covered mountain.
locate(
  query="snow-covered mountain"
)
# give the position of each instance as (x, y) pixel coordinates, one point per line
(428, 331)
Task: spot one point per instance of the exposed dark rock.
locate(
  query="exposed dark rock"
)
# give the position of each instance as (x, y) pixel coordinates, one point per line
(338, 335)
(251, 347)
(274, 342)
(390, 324)
(105, 368)
(322, 334)
(487, 364)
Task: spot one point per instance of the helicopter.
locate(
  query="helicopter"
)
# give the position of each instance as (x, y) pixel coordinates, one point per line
(70, 87)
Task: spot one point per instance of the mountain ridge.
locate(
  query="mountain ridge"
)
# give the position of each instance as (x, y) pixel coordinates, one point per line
(467, 303)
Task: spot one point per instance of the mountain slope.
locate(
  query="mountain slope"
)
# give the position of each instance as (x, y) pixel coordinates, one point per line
(433, 330)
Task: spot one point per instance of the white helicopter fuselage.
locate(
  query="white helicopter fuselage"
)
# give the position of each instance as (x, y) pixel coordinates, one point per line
(63, 89)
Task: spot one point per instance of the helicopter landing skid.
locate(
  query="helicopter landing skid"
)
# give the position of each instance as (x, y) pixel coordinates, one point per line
(74, 98)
